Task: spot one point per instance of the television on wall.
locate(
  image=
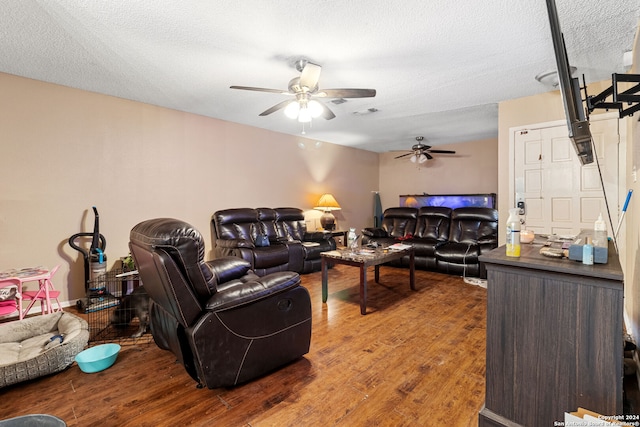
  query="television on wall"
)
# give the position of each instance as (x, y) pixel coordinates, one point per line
(578, 125)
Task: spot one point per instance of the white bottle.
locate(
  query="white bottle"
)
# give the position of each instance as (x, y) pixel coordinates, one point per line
(513, 233)
(600, 232)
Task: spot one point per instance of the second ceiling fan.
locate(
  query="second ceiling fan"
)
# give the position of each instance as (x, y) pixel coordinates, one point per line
(304, 89)
(420, 152)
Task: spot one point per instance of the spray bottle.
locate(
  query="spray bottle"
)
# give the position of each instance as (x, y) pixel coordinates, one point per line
(513, 233)
(600, 232)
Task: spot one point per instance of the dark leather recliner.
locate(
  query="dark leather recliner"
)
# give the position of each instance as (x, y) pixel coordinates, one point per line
(224, 323)
(238, 232)
(397, 224)
(269, 239)
(291, 227)
(444, 239)
(424, 229)
(432, 231)
(474, 231)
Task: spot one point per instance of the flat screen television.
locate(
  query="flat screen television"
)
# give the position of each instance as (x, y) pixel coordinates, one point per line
(578, 125)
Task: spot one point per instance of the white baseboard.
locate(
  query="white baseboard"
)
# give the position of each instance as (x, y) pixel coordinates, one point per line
(36, 310)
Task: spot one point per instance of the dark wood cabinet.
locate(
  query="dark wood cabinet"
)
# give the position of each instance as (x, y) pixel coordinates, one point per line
(554, 338)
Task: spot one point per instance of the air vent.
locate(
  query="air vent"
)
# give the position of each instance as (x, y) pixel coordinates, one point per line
(365, 112)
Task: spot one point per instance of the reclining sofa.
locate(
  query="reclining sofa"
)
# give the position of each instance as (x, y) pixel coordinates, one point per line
(225, 324)
(270, 240)
(444, 239)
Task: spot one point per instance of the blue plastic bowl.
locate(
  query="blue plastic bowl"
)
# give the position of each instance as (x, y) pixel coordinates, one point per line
(98, 358)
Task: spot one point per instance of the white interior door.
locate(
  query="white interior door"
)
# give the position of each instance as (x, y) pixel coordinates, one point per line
(560, 195)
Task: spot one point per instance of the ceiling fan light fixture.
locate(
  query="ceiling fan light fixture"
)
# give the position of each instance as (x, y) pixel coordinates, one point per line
(304, 115)
(304, 87)
(413, 158)
(422, 158)
(315, 108)
(292, 110)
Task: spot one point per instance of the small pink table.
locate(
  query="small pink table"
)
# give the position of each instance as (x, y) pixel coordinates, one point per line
(45, 292)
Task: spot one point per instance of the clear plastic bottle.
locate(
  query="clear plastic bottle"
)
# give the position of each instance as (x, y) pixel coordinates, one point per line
(351, 237)
(513, 233)
(587, 252)
(600, 232)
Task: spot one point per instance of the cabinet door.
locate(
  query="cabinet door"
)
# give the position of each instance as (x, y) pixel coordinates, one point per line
(554, 344)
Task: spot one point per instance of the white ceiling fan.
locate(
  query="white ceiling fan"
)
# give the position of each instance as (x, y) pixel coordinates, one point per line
(304, 106)
(420, 152)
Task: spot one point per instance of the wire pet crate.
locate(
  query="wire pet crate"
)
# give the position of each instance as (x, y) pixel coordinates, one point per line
(106, 295)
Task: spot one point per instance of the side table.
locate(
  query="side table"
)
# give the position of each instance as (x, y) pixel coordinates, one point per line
(338, 233)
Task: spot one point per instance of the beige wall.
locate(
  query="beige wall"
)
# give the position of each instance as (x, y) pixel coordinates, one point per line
(632, 221)
(548, 107)
(473, 169)
(65, 150)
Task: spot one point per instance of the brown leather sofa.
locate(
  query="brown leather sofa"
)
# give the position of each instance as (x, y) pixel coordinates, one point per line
(225, 324)
(269, 239)
(444, 239)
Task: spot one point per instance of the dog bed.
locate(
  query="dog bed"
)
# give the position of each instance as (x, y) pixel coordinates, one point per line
(40, 345)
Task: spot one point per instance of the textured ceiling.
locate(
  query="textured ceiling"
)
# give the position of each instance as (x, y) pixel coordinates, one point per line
(439, 66)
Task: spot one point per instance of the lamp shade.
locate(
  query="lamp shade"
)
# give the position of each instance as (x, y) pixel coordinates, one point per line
(327, 203)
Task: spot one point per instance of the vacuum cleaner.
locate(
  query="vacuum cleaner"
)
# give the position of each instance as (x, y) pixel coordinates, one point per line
(95, 269)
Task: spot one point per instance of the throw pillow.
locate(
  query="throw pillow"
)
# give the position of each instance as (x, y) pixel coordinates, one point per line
(262, 240)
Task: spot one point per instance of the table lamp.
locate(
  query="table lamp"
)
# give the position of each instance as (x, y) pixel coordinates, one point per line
(327, 203)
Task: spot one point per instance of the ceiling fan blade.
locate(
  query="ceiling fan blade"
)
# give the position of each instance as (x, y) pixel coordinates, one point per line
(261, 89)
(278, 106)
(310, 76)
(326, 112)
(403, 155)
(442, 151)
(346, 93)
(429, 156)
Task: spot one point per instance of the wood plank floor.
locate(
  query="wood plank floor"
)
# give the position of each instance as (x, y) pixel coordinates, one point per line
(416, 359)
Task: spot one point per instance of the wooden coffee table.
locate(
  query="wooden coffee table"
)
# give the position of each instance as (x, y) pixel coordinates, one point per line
(363, 260)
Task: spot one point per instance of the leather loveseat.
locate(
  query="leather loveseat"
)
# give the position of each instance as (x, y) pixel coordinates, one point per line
(444, 239)
(269, 239)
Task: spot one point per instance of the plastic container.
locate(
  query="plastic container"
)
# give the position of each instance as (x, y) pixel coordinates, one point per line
(98, 265)
(587, 252)
(513, 233)
(527, 236)
(600, 225)
(600, 232)
(351, 237)
(98, 358)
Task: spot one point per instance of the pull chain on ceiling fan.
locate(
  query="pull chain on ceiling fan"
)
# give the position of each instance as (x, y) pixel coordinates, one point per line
(303, 106)
(420, 152)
